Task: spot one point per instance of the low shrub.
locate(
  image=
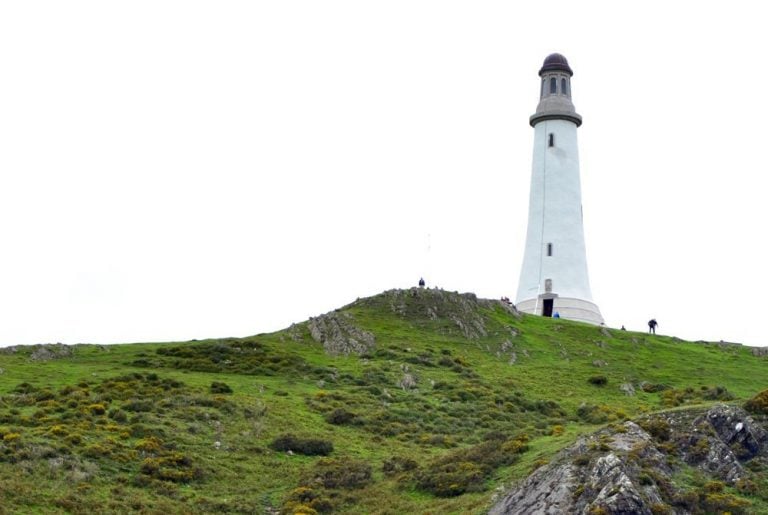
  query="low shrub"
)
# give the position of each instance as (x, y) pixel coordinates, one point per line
(653, 387)
(598, 380)
(118, 415)
(466, 470)
(716, 393)
(175, 467)
(397, 464)
(341, 473)
(593, 414)
(139, 406)
(657, 428)
(340, 417)
(449, 479)
(219, 387)
(724, 503)
(307, 447)
(758, 404)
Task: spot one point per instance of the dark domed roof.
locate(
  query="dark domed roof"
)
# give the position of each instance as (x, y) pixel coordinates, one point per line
(555, 62)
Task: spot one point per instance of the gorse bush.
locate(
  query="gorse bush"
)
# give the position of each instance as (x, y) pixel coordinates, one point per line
(398, 464)
(466, 470)
(758, 403)
(677, 397)
(341, 473)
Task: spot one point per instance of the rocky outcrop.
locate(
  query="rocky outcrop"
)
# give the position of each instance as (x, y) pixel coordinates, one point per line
(43, 351)
(339, 334)
(463, 310)
(628, 469)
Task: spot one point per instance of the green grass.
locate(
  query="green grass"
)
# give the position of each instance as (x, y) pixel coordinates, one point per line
(136, 427)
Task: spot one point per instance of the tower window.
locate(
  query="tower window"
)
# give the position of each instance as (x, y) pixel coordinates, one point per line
(552, 86)
(549, 250)
(542, 88)
(551, 139)
(563, 89)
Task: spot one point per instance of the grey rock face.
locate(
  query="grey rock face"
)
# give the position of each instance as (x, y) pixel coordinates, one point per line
(43, 351)
(582, 478)
(339, 335)
(626, 470)
(628, 389)
(462, 309)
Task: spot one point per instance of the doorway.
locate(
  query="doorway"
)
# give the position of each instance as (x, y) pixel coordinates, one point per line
(548, 305)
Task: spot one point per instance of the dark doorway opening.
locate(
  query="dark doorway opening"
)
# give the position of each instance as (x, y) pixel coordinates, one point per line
(548, 305)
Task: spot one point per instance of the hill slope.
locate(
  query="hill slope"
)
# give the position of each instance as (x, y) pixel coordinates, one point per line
(411, 401)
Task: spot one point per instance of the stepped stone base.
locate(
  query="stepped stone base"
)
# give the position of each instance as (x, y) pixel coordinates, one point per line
(569, 309)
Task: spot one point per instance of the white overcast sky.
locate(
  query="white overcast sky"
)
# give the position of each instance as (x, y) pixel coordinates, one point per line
(179, 170)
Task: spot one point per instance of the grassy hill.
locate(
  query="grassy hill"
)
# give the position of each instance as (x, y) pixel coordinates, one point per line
(411, 401)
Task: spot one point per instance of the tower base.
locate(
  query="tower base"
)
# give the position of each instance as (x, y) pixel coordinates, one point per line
(569, 309)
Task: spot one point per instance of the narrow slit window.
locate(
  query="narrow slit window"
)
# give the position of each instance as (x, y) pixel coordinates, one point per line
(542, 88)
(563, 89)
(549, 250)
(551, 139)
(552, 86)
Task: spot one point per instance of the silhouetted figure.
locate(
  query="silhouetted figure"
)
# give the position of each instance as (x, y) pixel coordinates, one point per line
(652, 323)
(623, 328)
(421, 283)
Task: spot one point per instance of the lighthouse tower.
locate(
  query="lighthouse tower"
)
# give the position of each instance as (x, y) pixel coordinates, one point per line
(554, 276)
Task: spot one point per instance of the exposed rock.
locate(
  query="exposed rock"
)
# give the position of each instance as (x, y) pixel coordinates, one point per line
(578, 479)
(464, 310)
(43, 351)
(507, 348)
(605, 332)
(407, 382)
(599, 363)
(49, 351)
(760, 352)
(339, 335)
(294, 332)
(628, 389)
(628, 470)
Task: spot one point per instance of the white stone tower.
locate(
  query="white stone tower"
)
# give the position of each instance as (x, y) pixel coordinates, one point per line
(554, 276)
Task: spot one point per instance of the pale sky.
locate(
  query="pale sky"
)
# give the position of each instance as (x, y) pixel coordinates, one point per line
(179, 170)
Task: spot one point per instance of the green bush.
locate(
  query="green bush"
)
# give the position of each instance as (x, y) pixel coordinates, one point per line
(139, 406)
(451, 479)
(340, 417)
(653, 387)
(758, 404)
(598, 380)
(466, 470)
(657, 428)
(593, 414)
(174, 467)
(118, 415)
(724, 503)
(397, 464)
(338, 473)
(307, 447)
(218, 387)
(716, 393)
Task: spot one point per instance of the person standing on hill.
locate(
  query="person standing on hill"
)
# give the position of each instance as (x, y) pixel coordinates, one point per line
(652, 323)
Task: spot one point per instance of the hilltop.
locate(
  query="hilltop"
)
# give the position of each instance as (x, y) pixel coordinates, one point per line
(410, 401)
